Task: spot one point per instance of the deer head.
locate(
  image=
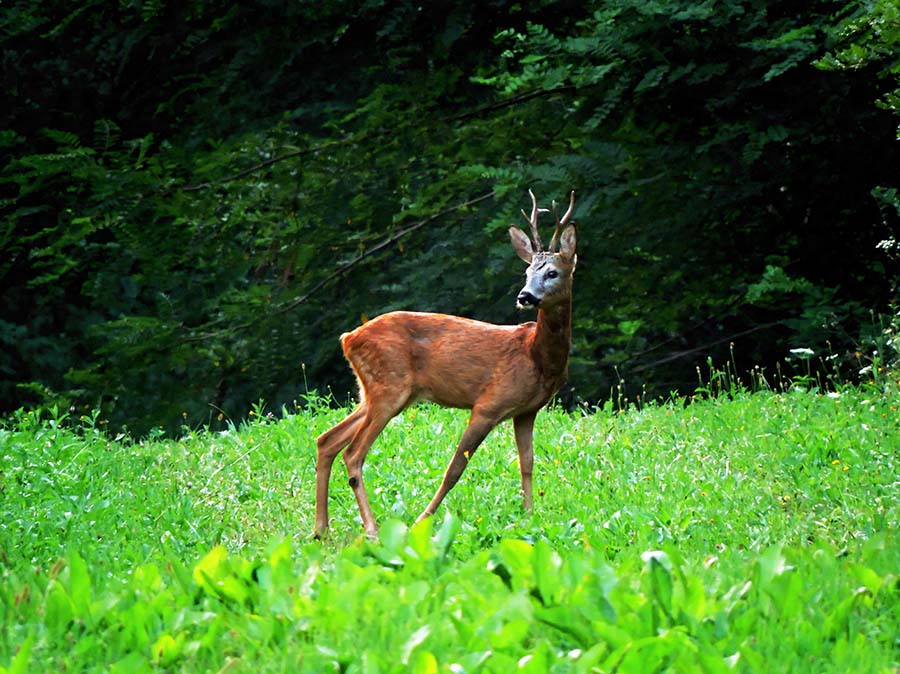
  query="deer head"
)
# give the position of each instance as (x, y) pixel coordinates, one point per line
(548, 279)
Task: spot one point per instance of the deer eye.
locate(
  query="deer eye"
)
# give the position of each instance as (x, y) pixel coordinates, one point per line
(552, 273)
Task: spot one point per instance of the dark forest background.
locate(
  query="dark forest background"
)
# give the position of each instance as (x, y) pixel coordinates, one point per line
(197, 198)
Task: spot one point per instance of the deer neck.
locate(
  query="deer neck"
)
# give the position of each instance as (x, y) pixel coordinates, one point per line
(552, 339)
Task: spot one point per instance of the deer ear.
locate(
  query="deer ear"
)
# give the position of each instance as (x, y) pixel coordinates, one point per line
(522, 244)
(567, 243)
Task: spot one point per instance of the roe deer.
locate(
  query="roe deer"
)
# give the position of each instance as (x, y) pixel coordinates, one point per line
(499, 372)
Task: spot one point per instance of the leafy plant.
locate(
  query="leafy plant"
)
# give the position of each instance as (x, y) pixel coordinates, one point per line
(713, 535)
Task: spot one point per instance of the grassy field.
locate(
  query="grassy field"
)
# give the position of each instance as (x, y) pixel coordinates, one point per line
(752, 534)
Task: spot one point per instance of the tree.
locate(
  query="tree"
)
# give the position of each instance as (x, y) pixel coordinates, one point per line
(201, 197)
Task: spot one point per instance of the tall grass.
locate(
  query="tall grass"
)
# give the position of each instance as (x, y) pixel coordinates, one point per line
(738, 533)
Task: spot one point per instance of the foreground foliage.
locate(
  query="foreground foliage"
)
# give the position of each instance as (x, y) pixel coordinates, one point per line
(752, 535)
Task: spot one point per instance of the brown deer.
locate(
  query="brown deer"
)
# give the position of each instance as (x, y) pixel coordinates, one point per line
(499, 372)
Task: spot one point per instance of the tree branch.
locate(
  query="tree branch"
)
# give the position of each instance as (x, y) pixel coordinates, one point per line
(485, 109)
(340, 271)
(681, 354)
(374, 249)
(509, 102)
(264, 164)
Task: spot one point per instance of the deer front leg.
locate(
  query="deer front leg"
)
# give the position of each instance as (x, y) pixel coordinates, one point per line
(524, 429)
(479, 426)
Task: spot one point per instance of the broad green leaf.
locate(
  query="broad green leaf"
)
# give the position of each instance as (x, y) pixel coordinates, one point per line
(516, 558)
(392, 535)
(58, 610)
(538, 661)
(211, 568)
(658, 568)
(79, 586)
(447, 532)
(166, 649)
(133, 663)
(511, 635)
(546, 565)
(770, 564)
(21, 660)
(414, 640)
(423, 662)
(867, 576)
(586, 661)
(419, 539)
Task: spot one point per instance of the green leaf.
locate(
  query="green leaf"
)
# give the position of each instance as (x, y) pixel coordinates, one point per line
(221, 579)
(652, 78)
(20, 661)
(58, 610)
(415, 640)
(419, 539)
(79, 586)
(658, 568)
(770, 565)
(212, 567)
(546, 565)
(167, 649)
(423, 662)
(538, 661)
(392, 535)
(867, 576)
(447, 533)
(133, 663)
(515, 556)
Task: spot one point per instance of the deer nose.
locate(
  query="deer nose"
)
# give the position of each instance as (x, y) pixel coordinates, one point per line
(526, 299)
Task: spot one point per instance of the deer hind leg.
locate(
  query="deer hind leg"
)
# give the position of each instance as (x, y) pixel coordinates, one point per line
(480, 425)
(524, 429)
(328, 446)
(376, 418)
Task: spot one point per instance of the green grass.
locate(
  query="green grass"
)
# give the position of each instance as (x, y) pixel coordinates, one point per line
(752, 535)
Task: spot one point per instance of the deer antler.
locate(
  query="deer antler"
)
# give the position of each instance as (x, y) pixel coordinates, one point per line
(532, 221)
(561, 224)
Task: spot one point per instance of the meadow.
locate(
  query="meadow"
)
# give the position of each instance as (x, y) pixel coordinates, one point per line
(733, 533)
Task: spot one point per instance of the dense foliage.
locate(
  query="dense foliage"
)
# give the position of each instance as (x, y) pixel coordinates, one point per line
(198, 197)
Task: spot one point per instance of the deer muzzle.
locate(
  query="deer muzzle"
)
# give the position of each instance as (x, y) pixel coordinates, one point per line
(526, 299)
